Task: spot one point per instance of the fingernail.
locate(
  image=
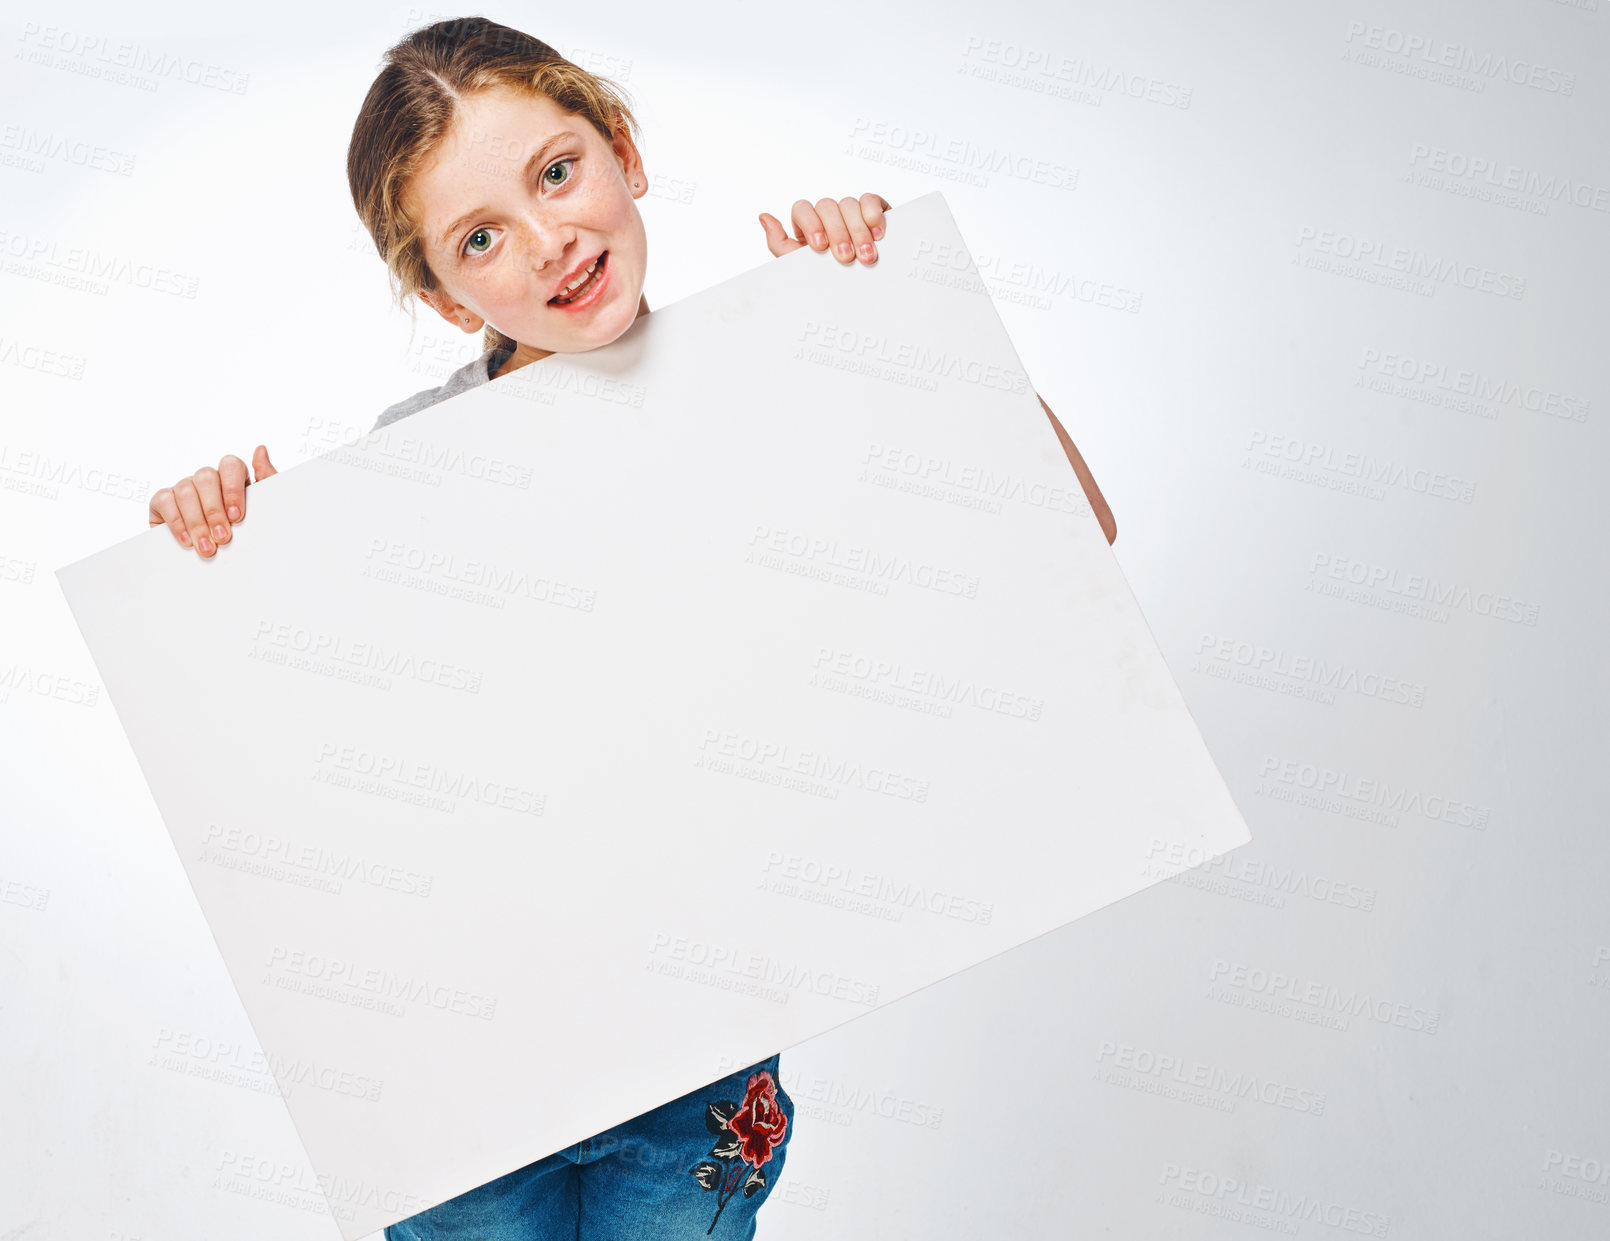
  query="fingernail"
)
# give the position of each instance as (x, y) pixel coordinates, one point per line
(204, 544)
(844, 249)
(184, 537)
(818, 239)
(866, 249)
(877, 232)
(219, 532)
(234, 512)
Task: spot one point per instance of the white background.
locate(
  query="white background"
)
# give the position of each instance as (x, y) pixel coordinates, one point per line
(1450, 433)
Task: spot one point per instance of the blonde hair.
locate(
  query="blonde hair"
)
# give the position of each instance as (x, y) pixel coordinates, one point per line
(410, 107)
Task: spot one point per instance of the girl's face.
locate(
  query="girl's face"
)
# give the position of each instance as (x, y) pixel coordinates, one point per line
(519, 199)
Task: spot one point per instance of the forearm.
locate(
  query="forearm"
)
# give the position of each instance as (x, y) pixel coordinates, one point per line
(1098, 504)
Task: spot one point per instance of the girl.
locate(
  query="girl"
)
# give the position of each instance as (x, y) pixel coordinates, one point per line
(500, 184)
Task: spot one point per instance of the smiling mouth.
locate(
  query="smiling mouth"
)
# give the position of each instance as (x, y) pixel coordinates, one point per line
(582, 289)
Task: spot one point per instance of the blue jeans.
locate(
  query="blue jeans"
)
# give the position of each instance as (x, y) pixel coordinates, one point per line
(699, 1166)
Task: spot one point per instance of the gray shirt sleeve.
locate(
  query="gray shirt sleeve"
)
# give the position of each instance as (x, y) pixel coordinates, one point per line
(468, 376)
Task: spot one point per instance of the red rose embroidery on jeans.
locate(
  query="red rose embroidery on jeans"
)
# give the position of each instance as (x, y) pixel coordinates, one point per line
(746, 1135)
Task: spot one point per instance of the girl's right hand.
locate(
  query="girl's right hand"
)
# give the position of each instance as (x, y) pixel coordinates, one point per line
(201, 510)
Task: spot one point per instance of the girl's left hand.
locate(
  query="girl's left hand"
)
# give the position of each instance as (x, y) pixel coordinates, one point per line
(849, 226)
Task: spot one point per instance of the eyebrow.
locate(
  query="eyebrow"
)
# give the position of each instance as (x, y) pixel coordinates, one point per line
(536, 163)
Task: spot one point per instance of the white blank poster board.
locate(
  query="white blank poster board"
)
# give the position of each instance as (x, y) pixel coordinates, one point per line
(703, 691)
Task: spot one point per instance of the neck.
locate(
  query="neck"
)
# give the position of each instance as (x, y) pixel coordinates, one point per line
(524, 355)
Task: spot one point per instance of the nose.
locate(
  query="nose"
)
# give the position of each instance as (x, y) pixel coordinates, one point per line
(544, 243)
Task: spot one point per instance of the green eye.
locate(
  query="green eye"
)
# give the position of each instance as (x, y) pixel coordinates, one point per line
(564, 163)
(470, 246)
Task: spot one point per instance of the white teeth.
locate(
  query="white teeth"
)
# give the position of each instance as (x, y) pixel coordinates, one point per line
(579, 280)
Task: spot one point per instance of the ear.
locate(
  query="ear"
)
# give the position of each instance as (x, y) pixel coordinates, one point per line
(631, 161)
(464, 319)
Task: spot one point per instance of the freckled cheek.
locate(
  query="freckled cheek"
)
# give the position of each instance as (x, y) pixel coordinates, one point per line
(606, 203)
(596, 204)
(508, 291)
